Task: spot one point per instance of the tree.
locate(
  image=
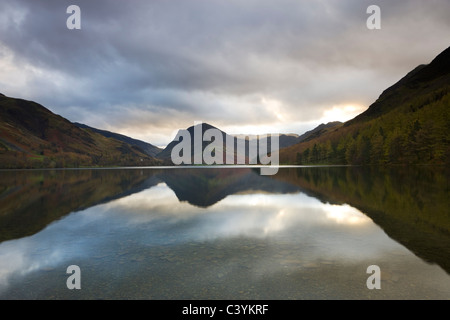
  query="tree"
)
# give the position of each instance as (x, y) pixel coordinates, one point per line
(305, 157)
(363, 150)
(396, 148)
(315, 153)
(350, 152)
(377, 151)
(299, 158)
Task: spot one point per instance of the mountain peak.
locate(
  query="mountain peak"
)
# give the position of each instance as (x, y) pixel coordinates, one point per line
(205, 126)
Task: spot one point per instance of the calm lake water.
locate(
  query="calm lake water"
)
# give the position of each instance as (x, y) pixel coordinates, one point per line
(210, 233)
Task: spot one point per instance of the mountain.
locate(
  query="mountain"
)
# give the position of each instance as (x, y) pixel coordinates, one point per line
(148, 148)
(31, 136)
(407, 124)
(166, 153)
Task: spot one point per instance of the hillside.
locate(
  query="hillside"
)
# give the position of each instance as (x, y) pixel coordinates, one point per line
(148, 148)
(407, 124)
(31, 136)
(318, 131)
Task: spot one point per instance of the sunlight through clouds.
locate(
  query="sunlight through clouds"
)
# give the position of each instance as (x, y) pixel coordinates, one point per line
(342, 113)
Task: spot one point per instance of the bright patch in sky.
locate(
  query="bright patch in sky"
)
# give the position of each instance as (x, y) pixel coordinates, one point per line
(342, 113)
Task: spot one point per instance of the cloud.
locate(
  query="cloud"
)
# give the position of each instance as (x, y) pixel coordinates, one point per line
(142, 63)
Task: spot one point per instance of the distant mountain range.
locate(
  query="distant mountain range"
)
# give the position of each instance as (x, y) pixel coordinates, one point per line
(408, 124)
(286, 140)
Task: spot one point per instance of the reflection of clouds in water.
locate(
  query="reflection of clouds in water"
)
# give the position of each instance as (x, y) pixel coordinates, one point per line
(154, 203)
(249, 214)
(344, 214)
(11, 259)
(57, 243)
(154, 215)
(21, 257)
(341, 232)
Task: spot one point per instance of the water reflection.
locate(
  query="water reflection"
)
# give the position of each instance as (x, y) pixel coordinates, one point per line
(409, 203)
(222, 233)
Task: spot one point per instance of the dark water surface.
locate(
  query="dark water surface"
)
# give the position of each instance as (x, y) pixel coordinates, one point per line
(210, 233)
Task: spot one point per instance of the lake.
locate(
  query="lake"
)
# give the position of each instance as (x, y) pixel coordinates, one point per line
(225, 233)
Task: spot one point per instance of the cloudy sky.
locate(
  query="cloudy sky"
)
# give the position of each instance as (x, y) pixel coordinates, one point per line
(149, 68)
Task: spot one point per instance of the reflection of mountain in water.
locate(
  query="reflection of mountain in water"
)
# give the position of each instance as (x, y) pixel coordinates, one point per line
(204, 187)
(410, 205)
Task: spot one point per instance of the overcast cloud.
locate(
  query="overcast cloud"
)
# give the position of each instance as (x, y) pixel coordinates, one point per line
(149, 68)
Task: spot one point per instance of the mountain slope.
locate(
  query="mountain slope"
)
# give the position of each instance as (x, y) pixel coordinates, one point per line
(31, 136)
(316, 132)
(407, 124)
(422, 80)
(148, 148)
